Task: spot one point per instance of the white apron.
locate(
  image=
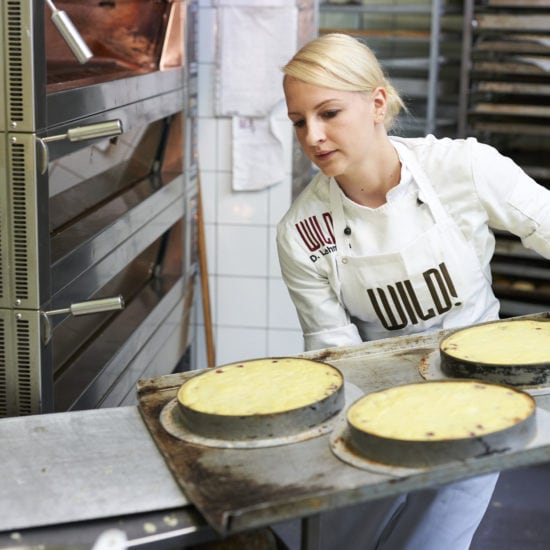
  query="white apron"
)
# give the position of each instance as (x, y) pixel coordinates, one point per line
(434, 282)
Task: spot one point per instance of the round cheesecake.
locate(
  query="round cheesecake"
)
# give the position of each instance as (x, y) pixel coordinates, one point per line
(515, 352)
(430, 423)
(261, 398)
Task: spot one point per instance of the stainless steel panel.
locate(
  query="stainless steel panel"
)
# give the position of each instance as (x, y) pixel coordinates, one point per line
(25, 377)
(3, 75)
(72, 232)
(17, 65)
(172, 529)
(133, 115)
(79, 103)
(4, 224)
(23, 214)
(136, 335)
(100, 271)
(130, 217)
(164, 347)
(61, 468)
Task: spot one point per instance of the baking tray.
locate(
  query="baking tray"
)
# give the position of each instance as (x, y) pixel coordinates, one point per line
(239, 489)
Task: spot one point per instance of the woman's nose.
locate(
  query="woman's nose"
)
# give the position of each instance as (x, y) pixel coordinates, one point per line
(315, 134)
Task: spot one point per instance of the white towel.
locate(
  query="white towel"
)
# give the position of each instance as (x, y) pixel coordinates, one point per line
(258, 149)
(255, 39)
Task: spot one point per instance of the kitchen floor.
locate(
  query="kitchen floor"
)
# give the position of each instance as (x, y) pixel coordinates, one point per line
(519, 515)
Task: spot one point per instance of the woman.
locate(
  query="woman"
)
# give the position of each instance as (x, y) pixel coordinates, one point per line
(394, 236)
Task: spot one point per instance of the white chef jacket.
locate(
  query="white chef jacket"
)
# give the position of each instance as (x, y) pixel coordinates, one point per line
(478, 188)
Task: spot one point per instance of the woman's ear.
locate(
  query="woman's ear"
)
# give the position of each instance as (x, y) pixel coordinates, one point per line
(380, 101)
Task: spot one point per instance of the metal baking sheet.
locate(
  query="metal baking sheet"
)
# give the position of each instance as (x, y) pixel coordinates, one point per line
(238, 489)
(82, 465)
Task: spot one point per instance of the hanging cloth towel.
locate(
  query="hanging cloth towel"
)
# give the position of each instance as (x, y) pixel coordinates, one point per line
(256, 38)
(258, 150)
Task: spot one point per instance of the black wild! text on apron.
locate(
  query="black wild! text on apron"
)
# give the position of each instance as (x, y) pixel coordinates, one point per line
(398, 305)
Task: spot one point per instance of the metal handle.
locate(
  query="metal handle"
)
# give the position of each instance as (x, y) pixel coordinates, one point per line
(98, 130)
(95, 131)
(70, 34)
(90, 131)
(79, 308)
(91, 306)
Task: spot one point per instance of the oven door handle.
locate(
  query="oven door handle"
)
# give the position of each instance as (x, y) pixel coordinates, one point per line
(70, 34)
(98, 130)
(79, 308)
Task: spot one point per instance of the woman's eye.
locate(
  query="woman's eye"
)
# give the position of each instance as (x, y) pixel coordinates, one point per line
(330, 114)
(299, 123)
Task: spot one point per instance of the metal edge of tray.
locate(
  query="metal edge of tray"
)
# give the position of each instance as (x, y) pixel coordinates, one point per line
(237, 489)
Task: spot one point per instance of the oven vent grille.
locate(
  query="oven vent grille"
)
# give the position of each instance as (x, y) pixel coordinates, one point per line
(24, 367)
(3, 371)
(20, 225)
(3, 255)
(16, 73)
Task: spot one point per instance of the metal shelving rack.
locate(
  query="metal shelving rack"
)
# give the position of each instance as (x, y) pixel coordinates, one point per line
(419, 46)
(505, 101)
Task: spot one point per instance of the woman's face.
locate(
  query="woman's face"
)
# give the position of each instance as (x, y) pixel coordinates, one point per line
(336, 129)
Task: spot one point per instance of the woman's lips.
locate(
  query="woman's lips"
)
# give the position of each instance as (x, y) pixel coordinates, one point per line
(324, 155)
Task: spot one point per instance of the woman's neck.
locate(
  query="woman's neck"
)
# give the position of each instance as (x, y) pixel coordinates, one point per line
(369, 186)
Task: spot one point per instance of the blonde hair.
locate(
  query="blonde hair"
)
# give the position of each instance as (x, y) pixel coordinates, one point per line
(341, 62)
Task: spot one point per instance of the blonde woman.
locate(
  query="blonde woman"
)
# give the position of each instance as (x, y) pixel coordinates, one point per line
(394, 236)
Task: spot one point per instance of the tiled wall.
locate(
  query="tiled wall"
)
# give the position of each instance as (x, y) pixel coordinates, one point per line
(251, 310)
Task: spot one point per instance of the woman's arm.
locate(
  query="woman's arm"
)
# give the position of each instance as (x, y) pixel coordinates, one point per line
(513, 200)
(324, 320)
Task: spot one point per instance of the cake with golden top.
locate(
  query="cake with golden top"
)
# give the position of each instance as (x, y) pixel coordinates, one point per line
(429, 423)
(515, 352)
(261, 398)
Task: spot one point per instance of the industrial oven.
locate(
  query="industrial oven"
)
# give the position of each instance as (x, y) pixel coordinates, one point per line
(98, 170)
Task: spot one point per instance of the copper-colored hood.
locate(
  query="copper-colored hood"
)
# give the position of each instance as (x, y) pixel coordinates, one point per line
(126, 37)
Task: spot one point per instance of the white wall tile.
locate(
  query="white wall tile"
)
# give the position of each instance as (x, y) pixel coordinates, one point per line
(242, 250)
(207, 32)
(224, 141)
(241, 207)
(213, 289)
(240, 344)
(242, 302)
(198, 311)
(206, 87)
(207, 136)
(209, 192)
(281, 311)
(211, 238)
(284, 342)
(280, 196)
